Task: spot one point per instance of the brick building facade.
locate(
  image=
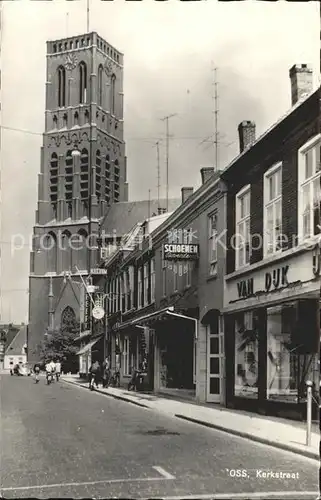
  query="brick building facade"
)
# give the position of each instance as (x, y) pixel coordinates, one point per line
(168, 311)
(272, 286)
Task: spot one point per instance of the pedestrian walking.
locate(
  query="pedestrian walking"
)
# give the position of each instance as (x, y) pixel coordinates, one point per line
(94, 374)
(117, 372)
(57, 369)
(106, 373)
(36, 370)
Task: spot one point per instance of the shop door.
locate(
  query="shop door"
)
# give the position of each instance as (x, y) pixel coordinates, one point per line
(214, 365)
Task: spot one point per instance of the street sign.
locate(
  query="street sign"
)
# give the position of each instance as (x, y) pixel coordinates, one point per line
(98, 312)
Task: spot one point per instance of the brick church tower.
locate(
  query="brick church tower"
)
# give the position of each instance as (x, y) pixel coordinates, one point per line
(83, 172)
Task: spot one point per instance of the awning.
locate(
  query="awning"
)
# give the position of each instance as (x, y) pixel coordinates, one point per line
(88, 346)
(82, 335)
(162, 315)
(210, 316)
(145, 320)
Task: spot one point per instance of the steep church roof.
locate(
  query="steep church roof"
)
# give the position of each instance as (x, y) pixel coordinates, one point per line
(123, 216)
(15, 348)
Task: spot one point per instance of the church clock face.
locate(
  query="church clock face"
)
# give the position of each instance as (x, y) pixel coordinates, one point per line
(108, 67)
(71, 62)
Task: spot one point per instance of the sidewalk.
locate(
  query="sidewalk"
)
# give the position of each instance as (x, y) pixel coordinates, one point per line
(280, 433)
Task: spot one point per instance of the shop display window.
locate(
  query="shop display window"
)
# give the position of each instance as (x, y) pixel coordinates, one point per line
(288, 368)
(246, 356)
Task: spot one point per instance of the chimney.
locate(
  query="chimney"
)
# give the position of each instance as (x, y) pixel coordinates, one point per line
(246, 134)
(301, 76)
(186, 193)
(206, 173)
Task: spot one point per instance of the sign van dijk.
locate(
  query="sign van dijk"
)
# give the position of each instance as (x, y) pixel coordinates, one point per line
(180, 251)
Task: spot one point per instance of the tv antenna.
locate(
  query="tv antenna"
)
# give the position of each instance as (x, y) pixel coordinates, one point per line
(158, 175)
(166, 119)
(215, 116)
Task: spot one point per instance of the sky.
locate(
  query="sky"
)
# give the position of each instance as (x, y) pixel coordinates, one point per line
(170, 50)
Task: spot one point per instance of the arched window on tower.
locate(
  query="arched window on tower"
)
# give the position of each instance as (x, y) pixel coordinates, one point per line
(98, 174)
(50, 249)
(76, 118)
(84, 179)
(68, 176)
(53, 178)
(100, 85)
(61, 87)
(82, 83)
(112, 94)
(107, 179)
(68, 318)
(79, 250)
(66, 262)
(65, 120)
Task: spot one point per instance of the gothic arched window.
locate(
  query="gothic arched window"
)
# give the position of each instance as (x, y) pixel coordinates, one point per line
(66, 262)
(50, 248)
(68, 317)
(98, 174)
(61, 87)
(112, 94)
(68, 175)
(79, 250)
(53, 178)
(84, 179)
(100, 85)
(82, 83)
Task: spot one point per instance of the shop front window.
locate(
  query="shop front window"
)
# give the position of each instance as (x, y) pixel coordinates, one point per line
(246, 356)
(288, 369)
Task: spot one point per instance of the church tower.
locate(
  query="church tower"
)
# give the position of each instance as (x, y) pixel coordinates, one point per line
(83, 172)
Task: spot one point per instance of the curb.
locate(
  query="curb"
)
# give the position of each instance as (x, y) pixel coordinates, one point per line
(121, 398)
(276, 444)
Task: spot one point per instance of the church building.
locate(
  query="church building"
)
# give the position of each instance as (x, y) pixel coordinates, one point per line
(83, 174)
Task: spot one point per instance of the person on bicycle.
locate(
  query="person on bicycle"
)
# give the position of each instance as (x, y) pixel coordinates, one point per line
(57, 369)
(49, 371)
(36, 370)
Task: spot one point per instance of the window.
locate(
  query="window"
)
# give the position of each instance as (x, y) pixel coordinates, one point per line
(152, 280)
(140, 287)
(100, 86)
(309, 164)
(131, 286)
(146, 278)
(164, 276)
(112, 94)
(273, 210)
(246, 356)
(126, 360)
(175, 277)
(212, 244)
(243, 217)
(61, 87)
(82, 83)
(187, 274)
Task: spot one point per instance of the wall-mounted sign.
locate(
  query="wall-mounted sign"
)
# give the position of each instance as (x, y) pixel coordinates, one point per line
(180, 251)
(277, 278)
(98, 271)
